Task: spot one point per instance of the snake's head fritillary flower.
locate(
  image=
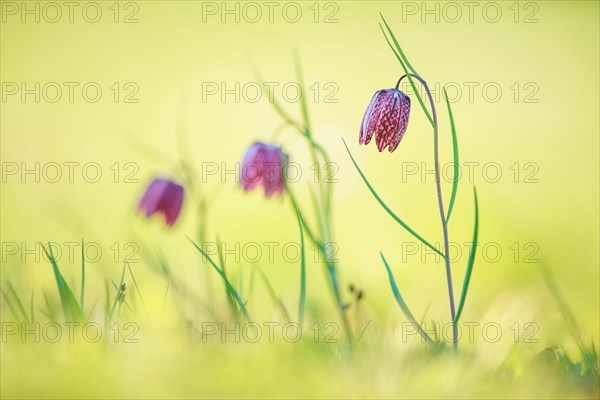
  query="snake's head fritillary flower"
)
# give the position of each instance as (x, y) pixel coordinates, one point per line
(263, 165)
(165, 197)
(386, 118)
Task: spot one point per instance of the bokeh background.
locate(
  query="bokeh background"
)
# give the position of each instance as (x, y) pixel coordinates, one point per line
(524, 85)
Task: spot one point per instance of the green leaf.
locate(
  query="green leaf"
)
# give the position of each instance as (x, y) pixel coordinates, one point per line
(276, 299)
(403, 64)
(456, 161)
(228, 284)
(14, 303)
(71, 310)
(302, 300)
(137, 288)
(230, 298)
(303, 103)
(471, 261)
(31, 308)
(398, 46)
(402, 303)
(279, 108)
(13, 292)
(296, 207)
(114, 305)
(589, 354)
(386, 208)
(82, 275)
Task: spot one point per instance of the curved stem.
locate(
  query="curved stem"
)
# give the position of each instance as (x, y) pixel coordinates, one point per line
(441, 207)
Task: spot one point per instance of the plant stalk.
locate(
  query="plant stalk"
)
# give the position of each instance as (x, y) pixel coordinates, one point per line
(441, 207)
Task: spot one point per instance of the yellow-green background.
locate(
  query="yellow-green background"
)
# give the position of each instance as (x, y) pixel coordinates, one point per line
(170, 52)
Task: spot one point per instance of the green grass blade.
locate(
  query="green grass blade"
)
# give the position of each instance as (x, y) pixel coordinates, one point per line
(409, 77)
(402, 303)
(276, 300)
(50, 306)
(302, 299)
(230, 287)
(114, 305)
(251, 284)
(279, 108)
(241, 283)
(71, 309)
(15, 296)
(31, 308)
(471, 261)
(137, 288)
(296, 207)
(398, 46)
(456, 161)
(230, 298)
(82, 276)
(303, 103)
(589, 356)
(11, 306)
(385, 206)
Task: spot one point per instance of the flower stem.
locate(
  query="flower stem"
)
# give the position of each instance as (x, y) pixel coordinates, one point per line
(441, 207)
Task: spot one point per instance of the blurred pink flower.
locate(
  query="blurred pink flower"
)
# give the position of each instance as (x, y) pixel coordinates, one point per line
(387, 118)
(164, 197)
(263, 164)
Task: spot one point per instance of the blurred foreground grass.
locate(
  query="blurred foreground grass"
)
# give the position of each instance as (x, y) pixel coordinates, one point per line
(164, 346)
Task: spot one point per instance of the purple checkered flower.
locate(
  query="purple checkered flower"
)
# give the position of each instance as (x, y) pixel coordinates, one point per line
(165, 197)
(386, 118)
(263, 165)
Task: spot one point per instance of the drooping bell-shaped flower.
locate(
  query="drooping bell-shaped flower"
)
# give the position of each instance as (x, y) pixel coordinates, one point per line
(263, 165)
(165, 197)
(386, 118)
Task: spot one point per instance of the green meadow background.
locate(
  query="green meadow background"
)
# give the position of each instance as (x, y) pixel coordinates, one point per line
(540, 133)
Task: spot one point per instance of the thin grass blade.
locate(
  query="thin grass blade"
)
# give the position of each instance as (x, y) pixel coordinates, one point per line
(302, 299)
(137, 288)
(303, 103)
(567, 313)
(456, 160)
(228, 293)
(398, 46)
(470, 262)
(402, 303)
(13, 309)
(82, 275)
(31, 308)
(15, 296)
(114, 305)
(404, 67)
(276, 300)
(230, 287)
(71, 309)
(386, 208)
